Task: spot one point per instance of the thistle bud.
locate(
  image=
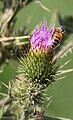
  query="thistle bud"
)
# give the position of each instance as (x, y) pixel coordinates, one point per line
(37, 70)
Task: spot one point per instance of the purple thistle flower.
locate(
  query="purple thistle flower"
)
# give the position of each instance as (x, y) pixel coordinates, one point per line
(41, 37)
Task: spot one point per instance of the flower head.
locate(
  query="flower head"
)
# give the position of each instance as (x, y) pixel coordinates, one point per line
(42, 37)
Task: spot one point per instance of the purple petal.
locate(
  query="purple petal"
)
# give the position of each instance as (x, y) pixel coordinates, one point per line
(42, 36)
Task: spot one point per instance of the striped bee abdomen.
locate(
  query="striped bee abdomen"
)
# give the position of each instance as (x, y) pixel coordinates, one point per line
(57, 37)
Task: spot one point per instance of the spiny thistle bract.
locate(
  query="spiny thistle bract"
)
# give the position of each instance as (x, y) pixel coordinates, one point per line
(36, 71)
(38, 67)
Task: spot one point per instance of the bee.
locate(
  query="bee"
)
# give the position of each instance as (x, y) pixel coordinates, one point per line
(57, 36)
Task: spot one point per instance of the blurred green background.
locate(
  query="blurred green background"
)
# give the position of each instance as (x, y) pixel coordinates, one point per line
(62, 91)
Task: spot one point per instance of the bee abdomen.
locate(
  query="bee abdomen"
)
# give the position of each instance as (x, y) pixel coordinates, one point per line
(55, 43)
(57, 37)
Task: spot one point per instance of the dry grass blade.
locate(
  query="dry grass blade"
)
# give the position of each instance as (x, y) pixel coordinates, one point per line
(64, 51)
(6, 18)
(5, 39)
(65, 64)
(64, 71)
(41, 5)
(5, 101)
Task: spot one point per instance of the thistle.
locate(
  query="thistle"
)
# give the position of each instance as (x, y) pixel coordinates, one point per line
(36, 71)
